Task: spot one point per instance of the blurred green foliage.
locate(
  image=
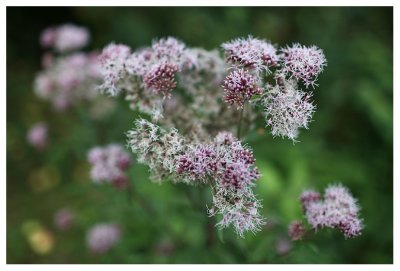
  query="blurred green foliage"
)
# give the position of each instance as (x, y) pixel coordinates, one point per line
(349, 141)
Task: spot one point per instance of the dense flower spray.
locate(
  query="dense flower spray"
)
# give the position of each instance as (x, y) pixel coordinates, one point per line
(190, 136)
(338, 209)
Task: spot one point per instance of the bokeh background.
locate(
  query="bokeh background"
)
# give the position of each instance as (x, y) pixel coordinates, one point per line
(350, 141)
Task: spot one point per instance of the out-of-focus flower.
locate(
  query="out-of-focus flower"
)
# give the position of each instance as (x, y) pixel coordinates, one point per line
(287, 109)
(40, 239)
(65, 38)
(337, 210)
(38, 135)
(251, 53)
(283, 246)
(69, 80)
(102, 237)
(296, 230)
(109, 164)
(239, 87)
(64, 219)
(303, 63)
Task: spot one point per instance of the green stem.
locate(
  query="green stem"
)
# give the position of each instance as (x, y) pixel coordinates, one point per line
(240, 122)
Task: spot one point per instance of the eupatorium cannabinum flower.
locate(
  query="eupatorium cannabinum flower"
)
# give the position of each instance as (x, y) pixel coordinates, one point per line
(224, 162)
(69, 80)
(337, 210)
(239, 87)
(113, 60)
(109, 164)
(161, 78)
(303, 63)
(251, 53)
(287, 109)
(296, 230)
(65, 38)
(37, 135)
(102, 237)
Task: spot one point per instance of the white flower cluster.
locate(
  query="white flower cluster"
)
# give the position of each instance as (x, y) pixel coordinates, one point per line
(287, 109)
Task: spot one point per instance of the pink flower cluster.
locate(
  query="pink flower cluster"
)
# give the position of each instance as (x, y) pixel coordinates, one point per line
(239, 87)
(37, 135)
(109, 164)
(230, 166)
(69, 80)
(161, 78)
(102, 237)
(64, 219)
(251, 53)
(303, 63)
(337, 210)
(65, 38)
(155, 67)
(225, 160)
(112, 61)
(296, 230)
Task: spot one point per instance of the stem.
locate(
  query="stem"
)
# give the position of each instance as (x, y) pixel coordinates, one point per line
(240, 122)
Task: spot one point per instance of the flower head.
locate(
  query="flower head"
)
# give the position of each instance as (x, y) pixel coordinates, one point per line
(64, 38)
(64, 219)
(338, 210)
(303, 63)
(102, 237)
(69, 80)
(251, 53)
(161, 78)
(287, 109)
(113, 60)
(109, 164)
(239, 87)
(37, 135)
(296, 230)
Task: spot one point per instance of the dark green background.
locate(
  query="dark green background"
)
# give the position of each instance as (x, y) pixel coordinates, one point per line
(350, 141)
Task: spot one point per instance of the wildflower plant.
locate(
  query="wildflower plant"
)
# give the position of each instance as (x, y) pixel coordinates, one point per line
(188, 94)
(196, 108)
